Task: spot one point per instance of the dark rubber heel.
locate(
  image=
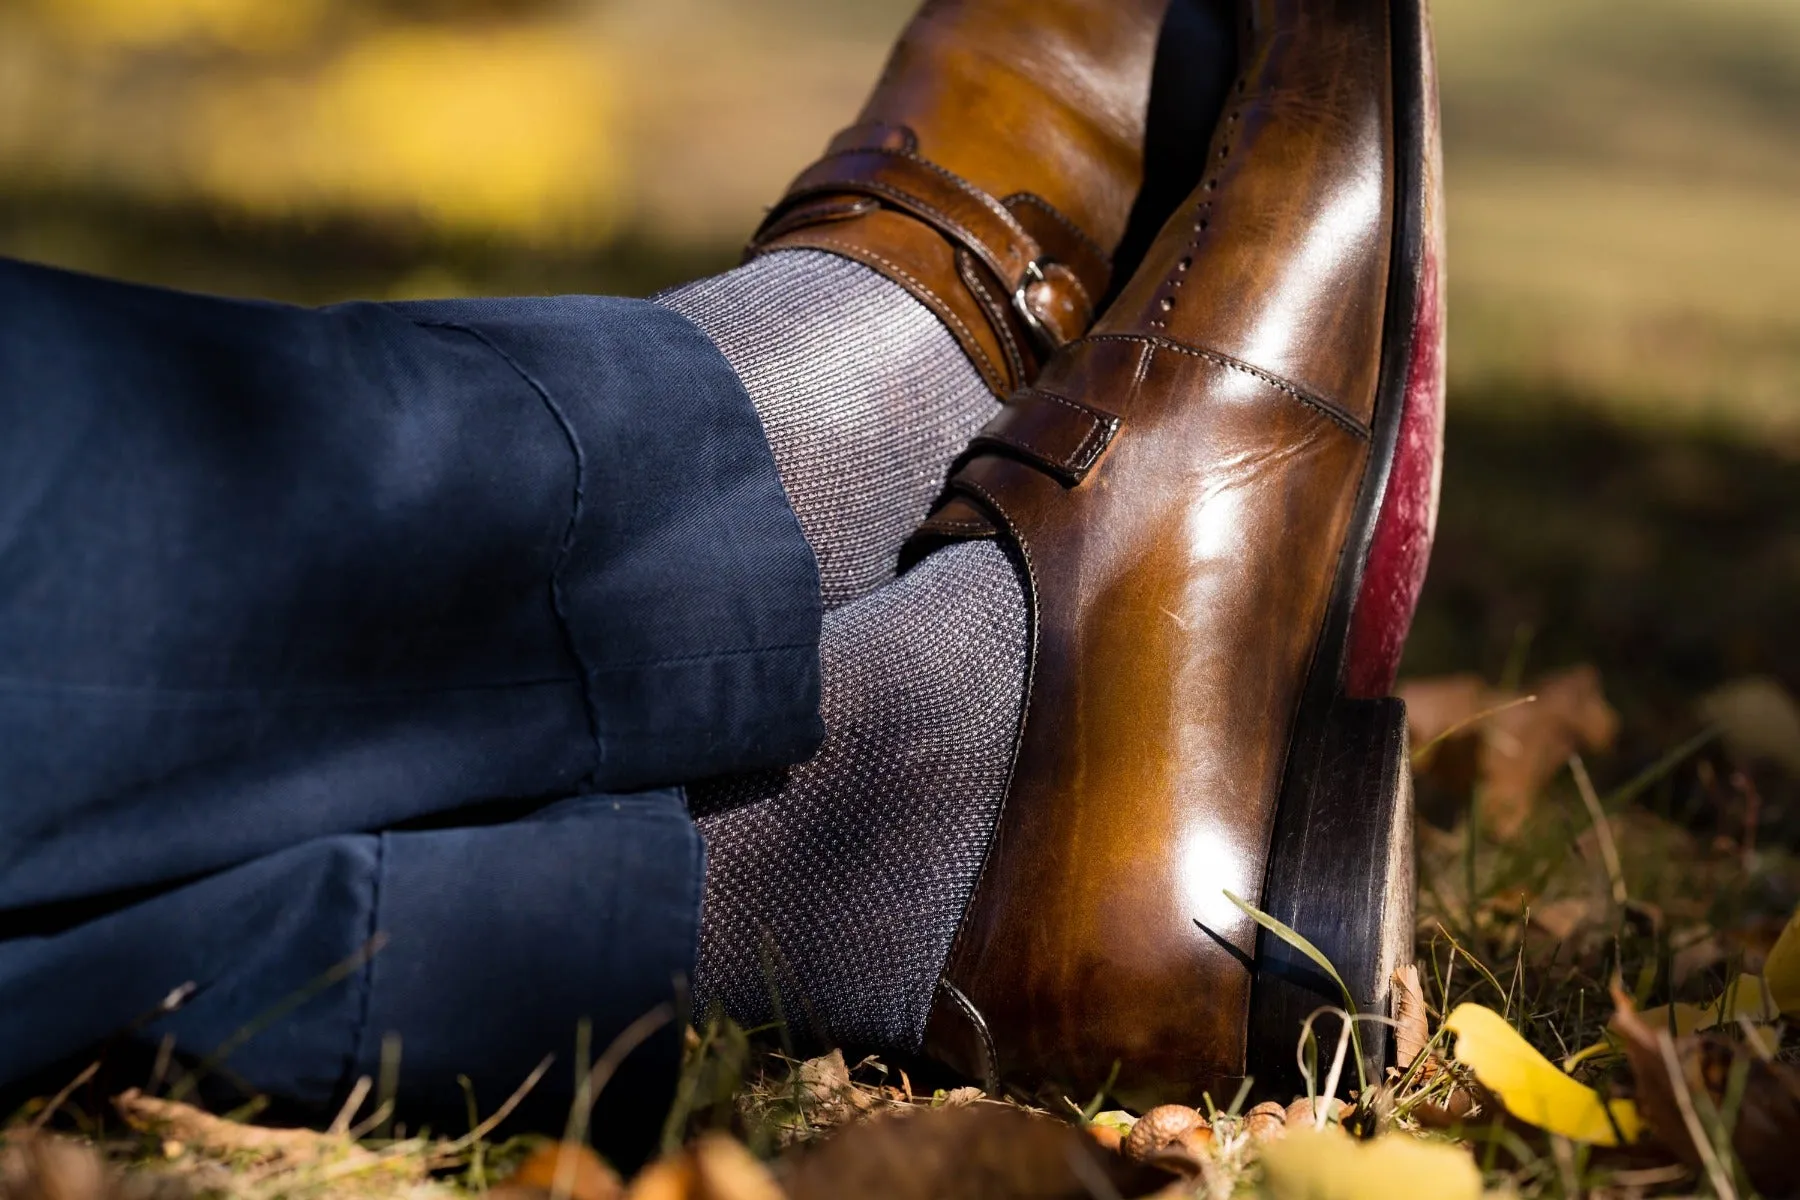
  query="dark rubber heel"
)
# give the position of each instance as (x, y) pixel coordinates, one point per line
(1341, 875)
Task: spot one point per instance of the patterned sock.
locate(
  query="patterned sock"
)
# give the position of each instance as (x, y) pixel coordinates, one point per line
(864, 395)
(838, 884)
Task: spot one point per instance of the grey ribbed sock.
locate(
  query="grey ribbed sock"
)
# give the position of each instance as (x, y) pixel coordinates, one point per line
(864, 395)
(838, 884)
(833, 889)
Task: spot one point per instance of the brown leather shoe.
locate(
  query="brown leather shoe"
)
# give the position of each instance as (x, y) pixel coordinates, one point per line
(1223, 499)
(992, 171)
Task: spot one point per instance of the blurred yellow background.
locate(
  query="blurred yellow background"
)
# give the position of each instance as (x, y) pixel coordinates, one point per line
(1623, 179)
(1624, 208)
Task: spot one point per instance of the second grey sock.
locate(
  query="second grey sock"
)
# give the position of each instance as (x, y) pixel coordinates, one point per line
(838, 884)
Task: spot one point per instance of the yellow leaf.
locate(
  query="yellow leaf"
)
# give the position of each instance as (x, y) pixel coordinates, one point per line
(1310, 1164)
(1115, 1118)
(1782, 970)
(1530, 1085)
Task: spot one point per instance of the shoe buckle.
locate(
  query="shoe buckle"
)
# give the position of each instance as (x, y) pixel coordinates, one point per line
(1045, 339)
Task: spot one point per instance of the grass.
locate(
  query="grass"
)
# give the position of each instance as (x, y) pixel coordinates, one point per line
(1673, 889)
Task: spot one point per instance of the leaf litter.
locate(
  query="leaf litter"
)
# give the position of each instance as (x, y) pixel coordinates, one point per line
(1599, 1006)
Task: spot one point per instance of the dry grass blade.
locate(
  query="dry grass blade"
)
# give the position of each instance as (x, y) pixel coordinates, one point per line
(504, 1111)
(1603, 833)
(340, 1124)
(1463, 725)
(628, 1040)
(62, 1097)
(1697, 1135)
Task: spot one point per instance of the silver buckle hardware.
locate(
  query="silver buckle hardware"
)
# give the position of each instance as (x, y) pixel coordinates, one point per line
(1046, 341)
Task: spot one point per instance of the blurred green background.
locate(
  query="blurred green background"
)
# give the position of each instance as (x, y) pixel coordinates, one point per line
(1624, 208)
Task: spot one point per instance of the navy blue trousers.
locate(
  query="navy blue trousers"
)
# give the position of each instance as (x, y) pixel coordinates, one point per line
(401, 622)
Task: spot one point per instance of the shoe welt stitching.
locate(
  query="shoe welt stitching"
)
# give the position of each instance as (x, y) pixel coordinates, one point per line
(1336, 412)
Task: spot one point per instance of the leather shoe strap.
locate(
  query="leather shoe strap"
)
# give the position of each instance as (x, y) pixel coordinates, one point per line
(1012, 278)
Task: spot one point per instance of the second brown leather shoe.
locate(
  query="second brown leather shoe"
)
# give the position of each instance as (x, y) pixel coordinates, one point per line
(992, 171)
(1221, 498)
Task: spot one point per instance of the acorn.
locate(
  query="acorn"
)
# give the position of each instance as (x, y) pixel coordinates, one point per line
(1168, 1127)
(1267, 1120)
(1302, 1112)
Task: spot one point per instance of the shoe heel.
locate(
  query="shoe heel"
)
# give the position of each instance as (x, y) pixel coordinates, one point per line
(1341, 875)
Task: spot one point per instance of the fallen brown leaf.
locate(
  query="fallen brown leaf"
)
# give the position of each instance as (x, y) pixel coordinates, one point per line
(1455, 1108)
(1520, 746)
(713, 1168)
(1527, 746)
(1681, 1081)
(39, 1166)
(560, 1168)
(825, 1083)
(1563, 919)
(962, 1096)
(982, 1152)
(817, 1096)
(1412, 1031)
(1707, 950)
(1436, 705)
